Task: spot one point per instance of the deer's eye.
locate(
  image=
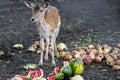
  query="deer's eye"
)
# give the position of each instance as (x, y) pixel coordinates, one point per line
(41, 10)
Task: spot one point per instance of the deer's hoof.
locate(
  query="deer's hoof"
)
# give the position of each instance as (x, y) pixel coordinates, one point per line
(53, 63)
(57, 55)
(46, 58)
(40, 62)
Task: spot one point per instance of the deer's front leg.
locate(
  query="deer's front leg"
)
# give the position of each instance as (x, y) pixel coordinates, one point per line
(55, 45)
(47, 47)
(42, 47)
(52, 48)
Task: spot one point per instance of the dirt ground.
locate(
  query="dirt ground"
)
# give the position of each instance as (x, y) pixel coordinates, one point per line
(84, 22)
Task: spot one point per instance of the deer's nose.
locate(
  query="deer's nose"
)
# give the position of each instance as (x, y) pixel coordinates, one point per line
(32, 19)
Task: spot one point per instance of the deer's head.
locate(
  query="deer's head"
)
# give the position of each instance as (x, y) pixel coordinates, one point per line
(38, 9)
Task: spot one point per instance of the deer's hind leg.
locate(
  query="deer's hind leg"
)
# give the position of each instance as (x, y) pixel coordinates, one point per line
(55, 45)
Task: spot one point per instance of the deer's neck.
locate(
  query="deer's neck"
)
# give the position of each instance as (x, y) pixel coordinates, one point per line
(42, 20)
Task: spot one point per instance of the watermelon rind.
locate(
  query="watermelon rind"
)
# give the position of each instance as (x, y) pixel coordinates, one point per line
(59, 76)
(67, 71)
(77, 67)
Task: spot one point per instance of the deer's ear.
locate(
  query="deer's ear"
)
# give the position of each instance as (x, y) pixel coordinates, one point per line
(46, 4)
(29, 4)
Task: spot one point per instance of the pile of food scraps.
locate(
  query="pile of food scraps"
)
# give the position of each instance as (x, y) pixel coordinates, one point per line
(73, 66)
(88, 54)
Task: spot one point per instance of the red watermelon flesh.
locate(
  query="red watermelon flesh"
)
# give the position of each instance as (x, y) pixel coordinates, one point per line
(57, 70)
(35, 74)
(21, 76)
(51, 77)
(65, 63)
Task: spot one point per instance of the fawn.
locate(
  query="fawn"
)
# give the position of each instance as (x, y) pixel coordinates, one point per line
(48, 23)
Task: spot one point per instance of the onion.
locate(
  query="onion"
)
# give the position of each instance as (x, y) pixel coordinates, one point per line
(91, 46)
(117, 62)
(76, 56)
(118, 45)
(101, 55)
(62, 54)
(61, 47)
(75, 52)
(116, 67)
(32, 49)
(82, 51)
(92, 56)
(87, 60)
(98, 59)
(68, 57)
(110, 61)
(100, 49)
(115, 57)
(107, 48)
(115, 50)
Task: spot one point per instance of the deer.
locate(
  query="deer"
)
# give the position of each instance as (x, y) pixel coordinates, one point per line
(48, 21)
